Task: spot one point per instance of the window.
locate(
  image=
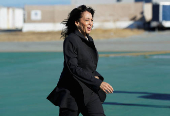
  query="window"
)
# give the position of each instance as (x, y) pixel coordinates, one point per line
(35, 15)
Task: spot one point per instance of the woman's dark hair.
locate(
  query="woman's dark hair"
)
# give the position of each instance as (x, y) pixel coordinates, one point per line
(73, 16)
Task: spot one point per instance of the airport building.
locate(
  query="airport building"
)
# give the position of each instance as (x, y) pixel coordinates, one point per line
(49, 18)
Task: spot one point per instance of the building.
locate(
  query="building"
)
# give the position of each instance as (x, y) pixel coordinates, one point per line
(11, 18)
(49, 18)
(45, 18)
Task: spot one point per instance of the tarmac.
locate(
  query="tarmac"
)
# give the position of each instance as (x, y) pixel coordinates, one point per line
(28, 73)
(148, 41)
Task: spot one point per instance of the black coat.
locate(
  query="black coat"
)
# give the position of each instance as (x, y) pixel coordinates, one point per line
(77, 80)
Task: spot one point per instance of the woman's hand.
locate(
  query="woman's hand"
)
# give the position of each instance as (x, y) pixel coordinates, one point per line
(96, 77)
(106, 87)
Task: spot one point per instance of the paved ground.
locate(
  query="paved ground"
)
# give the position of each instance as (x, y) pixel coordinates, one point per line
(148, 41)
(141, 84)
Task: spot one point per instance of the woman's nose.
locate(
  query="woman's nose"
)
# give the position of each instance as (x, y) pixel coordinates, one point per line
(91, 23)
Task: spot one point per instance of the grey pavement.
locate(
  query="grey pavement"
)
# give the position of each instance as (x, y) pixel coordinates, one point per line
(31, 46)
(148, 41)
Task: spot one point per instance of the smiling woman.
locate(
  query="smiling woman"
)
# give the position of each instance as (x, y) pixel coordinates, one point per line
(85, 23)
(80, 88)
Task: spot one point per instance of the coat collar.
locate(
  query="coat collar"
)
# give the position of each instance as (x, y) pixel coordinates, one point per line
(77, 32)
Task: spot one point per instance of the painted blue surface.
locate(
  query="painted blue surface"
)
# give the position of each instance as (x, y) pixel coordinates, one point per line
(165, 12)
(141, 84)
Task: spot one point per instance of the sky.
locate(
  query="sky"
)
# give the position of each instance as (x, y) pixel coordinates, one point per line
(21, 3)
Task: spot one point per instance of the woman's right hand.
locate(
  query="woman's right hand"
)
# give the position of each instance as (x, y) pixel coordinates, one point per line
(106, 87)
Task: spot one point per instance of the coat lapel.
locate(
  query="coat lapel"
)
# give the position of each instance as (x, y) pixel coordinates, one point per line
(89, 41)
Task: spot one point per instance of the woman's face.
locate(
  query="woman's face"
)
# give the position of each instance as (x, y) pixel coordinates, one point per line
(85, 23)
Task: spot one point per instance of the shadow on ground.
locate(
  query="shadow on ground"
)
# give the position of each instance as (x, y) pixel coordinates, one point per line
(147, 95)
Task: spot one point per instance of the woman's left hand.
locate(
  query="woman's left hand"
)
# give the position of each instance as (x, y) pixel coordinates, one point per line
(106, 87)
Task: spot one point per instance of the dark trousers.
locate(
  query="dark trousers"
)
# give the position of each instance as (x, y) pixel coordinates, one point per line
(93, 108)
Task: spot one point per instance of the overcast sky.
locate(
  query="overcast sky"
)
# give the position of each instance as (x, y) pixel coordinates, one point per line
(21, 3)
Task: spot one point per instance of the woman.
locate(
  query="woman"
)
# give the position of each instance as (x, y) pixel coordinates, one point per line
(80, 88)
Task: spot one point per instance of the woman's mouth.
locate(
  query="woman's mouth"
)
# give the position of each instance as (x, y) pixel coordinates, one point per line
(89, 28)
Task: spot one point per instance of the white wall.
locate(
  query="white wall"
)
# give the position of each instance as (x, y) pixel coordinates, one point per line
(19, 18)
(3, 17)
(11, 18)
(44, 27)
(118, 24)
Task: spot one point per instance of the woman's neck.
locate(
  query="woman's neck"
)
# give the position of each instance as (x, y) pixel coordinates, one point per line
(84, 34)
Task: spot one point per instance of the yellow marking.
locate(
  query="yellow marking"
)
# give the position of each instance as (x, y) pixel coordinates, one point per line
(135, 54)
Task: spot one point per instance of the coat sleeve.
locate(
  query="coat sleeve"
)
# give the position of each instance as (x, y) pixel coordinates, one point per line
(99, 75)
(70, 57)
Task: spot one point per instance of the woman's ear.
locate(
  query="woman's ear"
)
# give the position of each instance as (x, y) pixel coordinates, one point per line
(77, 23)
